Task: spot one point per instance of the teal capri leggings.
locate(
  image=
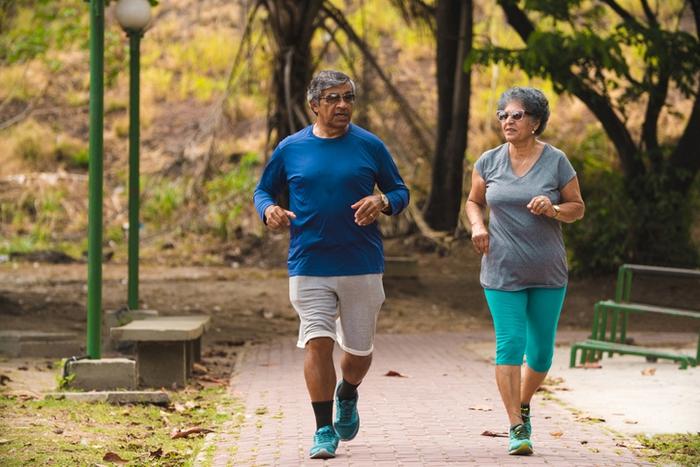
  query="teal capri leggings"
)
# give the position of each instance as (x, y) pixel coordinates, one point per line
(525, 322)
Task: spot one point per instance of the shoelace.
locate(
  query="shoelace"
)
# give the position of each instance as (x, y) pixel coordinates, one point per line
(520, 432)
(325, 436)
(345, 410)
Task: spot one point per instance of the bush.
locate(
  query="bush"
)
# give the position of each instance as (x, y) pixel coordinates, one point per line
(601, 241)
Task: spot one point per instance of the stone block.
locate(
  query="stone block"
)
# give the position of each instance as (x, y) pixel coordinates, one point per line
(115, 397)
(103, 374)
(39, 344)
(120, 317)
(400, 267)
(163, 364)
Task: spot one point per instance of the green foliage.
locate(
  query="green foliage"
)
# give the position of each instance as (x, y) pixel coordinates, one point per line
(162, 198)
(37, 26)
(229, 193)
(675, 449)
(601, 241)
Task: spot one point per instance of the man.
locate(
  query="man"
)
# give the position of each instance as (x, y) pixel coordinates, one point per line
(336, 258)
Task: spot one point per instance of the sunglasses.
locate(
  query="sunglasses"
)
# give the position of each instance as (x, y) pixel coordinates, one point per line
(334, 98)
(503, 115)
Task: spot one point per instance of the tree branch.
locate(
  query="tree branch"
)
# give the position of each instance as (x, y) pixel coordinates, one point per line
(412, 118)
(599, 105)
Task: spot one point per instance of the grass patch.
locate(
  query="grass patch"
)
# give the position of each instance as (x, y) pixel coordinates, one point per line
(675, 449)
(62, 432)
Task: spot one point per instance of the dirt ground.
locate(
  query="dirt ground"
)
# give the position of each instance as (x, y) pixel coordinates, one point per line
(250, 303)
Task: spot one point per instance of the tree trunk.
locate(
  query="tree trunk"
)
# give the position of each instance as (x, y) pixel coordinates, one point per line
(454, 41)
(292, 25)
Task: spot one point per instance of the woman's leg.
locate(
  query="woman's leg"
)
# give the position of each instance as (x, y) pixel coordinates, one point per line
(543, 310)
(508, 310)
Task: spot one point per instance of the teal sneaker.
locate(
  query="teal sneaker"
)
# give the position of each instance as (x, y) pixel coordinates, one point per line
(525, 414)
(519, 444)
(347, 420)
(325, 443)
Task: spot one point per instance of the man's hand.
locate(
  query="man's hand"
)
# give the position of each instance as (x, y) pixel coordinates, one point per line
(367, 209)
(278, 218)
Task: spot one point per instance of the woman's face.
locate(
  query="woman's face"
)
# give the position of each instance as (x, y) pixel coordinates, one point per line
(516, 123)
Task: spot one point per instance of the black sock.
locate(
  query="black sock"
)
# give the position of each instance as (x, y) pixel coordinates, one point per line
(525, 409)
(323, 412)
(347, 391)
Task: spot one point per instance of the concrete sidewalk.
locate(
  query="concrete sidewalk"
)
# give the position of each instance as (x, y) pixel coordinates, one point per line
(432, 417)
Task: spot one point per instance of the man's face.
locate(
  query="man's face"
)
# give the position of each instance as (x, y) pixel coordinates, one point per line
(334, 108)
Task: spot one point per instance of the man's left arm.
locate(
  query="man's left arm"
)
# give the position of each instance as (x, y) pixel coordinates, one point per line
(390, 182)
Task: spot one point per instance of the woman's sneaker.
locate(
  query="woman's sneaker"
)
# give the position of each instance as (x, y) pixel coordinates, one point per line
(525, 414)
(325, 443)
(519, 443)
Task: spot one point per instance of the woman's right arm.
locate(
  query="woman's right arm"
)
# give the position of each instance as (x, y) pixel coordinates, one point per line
(476, 203)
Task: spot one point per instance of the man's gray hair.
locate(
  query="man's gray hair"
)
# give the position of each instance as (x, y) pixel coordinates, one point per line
(534, 102)
(326, 79)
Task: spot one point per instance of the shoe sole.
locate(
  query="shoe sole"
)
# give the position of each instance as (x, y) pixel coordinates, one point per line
(522, 450)
(322, 454)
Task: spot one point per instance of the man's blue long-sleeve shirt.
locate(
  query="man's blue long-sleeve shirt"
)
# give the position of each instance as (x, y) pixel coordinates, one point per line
(325, 177)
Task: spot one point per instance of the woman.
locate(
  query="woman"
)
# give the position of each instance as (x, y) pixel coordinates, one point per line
(530, 188)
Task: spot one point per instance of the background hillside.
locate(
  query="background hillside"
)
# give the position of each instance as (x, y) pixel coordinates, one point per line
(205, 101)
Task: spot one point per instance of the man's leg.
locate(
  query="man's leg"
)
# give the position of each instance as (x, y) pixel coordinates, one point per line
(319, 373)
(360, 299)
(316, 303)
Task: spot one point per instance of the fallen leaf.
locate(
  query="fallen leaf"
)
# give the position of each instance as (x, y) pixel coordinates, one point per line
(556, 434)
(483, 408)
(178, 433)
(199, 368)
(113, 457)
(158, 453)
(211, 379)
(190, 404)
(261, 411)
(649, 372)
(394, 373)
(494, 434)
(592, 419)
(23, 368)
(4, 379)
(620, 444)
(58, 431)
(584, 442)
(165, 417)
(4, 441)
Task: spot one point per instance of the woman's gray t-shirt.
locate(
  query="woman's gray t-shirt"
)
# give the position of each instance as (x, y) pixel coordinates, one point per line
(525, 250)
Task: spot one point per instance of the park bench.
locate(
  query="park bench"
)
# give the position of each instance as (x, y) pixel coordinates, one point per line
(166, 347)
(611, 317)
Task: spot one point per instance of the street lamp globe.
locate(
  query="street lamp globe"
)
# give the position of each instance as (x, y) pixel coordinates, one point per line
(133, 15)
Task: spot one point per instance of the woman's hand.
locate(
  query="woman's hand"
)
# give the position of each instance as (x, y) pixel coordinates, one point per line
(540, 205)
(480, 238)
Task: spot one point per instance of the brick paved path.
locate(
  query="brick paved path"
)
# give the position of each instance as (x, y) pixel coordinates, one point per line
(421, 420)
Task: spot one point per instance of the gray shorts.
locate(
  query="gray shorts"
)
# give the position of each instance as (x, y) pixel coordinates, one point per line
(344, 308)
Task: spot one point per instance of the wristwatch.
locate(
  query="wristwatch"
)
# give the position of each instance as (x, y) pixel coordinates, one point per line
(385, 202)
(557, 211)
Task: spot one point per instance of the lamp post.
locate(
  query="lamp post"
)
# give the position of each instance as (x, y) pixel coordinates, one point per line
(133, 17)
(94, 302)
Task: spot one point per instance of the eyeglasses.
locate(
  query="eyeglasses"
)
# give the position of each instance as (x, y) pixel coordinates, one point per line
(334, 98)
(503, 115)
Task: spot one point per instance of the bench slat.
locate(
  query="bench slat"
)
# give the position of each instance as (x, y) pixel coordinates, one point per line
(643, 308)
(157, 329)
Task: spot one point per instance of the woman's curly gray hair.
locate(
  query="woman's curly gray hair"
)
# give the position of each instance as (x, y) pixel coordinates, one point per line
(326, 79)
(534, 102)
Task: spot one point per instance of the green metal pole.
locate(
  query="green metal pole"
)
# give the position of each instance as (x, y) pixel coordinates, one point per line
(133, 292)
(94, 302)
